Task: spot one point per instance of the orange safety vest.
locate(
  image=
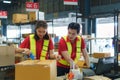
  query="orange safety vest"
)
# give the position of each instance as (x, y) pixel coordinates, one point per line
(33, 47)
(69, 46)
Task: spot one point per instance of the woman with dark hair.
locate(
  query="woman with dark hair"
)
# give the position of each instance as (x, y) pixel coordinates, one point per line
(39, 44)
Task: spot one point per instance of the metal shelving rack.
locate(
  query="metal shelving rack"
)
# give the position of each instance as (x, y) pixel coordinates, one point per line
(20, 29)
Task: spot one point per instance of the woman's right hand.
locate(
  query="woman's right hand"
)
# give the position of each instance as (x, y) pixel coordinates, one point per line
(26, 51)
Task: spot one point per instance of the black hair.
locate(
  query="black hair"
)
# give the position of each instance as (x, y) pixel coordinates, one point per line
(38, 24)
(75, 26)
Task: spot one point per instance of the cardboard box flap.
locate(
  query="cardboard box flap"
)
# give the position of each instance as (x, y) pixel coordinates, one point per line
(28, 62)
(45, 62)
(36, 62)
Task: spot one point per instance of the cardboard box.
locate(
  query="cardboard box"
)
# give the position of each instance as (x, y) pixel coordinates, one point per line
(7, 55)
(96, 78)
(32, 16)
(81, 64)
(20, 18)
(36, 70)
(100, 55)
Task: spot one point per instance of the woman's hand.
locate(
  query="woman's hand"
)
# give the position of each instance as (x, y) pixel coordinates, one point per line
(26, 51)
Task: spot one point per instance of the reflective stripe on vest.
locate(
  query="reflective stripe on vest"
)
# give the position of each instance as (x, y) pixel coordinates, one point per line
(69, 46)
(33, 47)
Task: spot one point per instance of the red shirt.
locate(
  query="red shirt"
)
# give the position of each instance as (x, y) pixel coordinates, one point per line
(39, 43)
(63, 47)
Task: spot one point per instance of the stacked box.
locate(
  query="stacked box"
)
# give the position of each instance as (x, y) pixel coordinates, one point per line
(36, 70)
(100, 55)
(20, 18)
(32, 16)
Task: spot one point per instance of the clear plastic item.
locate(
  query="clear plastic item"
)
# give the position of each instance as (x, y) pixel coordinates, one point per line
(78, 74)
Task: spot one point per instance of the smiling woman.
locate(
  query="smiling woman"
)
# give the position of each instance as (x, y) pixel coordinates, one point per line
(39, 44)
